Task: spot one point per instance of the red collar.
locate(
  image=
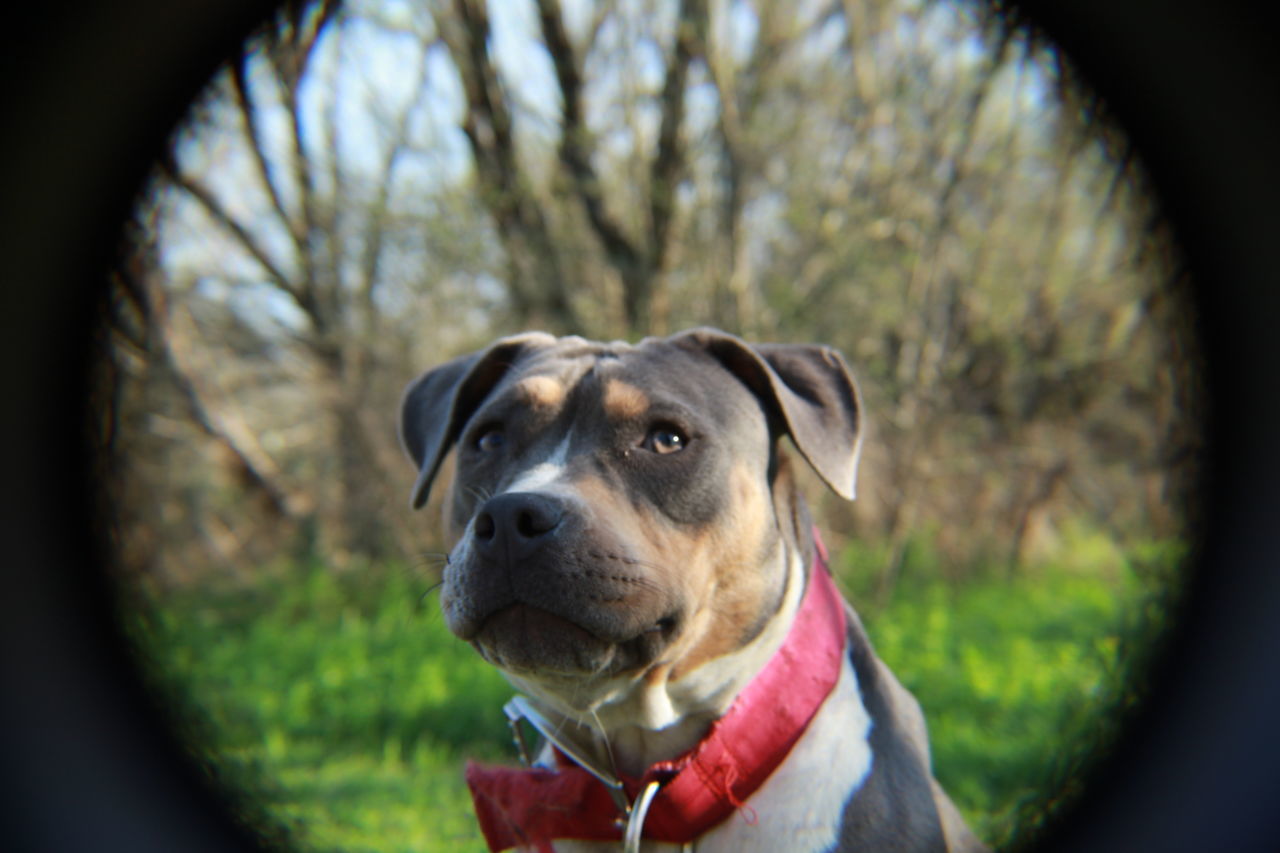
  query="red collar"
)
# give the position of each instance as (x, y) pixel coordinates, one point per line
(530, 806)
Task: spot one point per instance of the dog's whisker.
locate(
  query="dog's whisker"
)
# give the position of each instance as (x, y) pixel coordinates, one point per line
(435, 587)
(431, 558)
(479, 494)
(604, 736)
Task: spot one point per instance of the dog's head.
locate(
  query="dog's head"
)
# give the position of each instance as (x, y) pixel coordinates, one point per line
(614, 515)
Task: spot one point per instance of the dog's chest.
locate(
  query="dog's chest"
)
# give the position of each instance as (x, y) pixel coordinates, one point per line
(799, 808)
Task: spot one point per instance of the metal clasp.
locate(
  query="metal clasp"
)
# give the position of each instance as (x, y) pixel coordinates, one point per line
(635, 818)
(519, 708)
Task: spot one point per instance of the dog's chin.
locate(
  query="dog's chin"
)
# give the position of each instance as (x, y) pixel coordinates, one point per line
(529, 641)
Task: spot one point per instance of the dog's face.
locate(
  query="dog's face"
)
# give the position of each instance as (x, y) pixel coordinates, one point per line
(613, 514)
(599, 502)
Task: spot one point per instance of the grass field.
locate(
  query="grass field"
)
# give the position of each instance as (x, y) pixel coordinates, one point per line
(343, 710)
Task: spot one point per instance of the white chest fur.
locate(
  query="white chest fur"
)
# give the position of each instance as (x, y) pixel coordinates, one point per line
(799, 807)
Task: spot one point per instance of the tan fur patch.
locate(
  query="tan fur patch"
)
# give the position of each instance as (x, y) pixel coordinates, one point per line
(716, 567)
(623, 401)
(541, 392)
(738, 590)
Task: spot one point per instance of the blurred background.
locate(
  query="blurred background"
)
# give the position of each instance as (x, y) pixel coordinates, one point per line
(369, 188)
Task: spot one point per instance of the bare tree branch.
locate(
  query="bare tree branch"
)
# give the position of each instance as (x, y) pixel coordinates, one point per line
(247, 239)
(575, 140)
(190, 372)
(668, 161)
(249, 116)
(538, 283)
(738, 93)
(290, 51)
(933, 333)
(377, 220)
(638, 262)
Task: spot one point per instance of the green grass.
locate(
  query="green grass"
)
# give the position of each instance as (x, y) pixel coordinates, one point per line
(341, 704)
(344, 710)
(1006, 675)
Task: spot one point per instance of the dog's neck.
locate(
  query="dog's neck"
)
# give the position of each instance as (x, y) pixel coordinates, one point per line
(653, 718)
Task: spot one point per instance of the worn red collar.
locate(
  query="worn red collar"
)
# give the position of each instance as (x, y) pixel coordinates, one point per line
(531, 806)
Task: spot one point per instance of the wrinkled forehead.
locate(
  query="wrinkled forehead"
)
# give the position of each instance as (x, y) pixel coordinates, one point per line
(626, 380)
(545, 377)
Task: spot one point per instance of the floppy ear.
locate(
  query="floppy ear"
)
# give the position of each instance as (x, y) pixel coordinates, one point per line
(808, 388)
(437, 405)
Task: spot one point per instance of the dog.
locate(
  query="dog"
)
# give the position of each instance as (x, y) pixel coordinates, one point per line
(629, 547)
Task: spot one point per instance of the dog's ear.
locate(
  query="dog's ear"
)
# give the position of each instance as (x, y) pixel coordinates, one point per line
(808, 388)
(437, 405)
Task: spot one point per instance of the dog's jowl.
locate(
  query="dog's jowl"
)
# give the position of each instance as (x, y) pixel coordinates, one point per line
(628, 547)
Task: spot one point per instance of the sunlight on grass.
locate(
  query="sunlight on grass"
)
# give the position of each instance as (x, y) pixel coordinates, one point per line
(343, 708)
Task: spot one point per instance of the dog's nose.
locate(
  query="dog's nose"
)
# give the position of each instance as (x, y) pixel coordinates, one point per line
(517, 523)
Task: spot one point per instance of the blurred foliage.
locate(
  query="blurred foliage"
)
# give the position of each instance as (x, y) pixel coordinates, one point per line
(370, 188)
(342, 705)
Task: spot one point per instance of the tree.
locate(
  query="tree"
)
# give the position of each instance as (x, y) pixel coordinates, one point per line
(370, 188)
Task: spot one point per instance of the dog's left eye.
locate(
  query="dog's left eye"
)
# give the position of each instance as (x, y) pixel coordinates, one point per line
(665, 439)
(490, 440)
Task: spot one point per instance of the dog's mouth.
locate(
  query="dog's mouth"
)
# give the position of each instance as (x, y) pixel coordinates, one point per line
(524, 639)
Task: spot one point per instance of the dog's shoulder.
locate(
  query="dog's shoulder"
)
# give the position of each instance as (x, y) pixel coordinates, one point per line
(900, 806)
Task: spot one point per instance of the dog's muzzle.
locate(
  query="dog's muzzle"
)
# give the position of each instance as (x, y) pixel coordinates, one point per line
(536, 589)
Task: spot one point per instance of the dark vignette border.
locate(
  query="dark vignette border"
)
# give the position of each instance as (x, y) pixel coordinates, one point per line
(89, 93)
(1194, 87)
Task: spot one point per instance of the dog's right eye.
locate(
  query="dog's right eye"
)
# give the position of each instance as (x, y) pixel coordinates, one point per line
(665, 439)
(490, 440)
